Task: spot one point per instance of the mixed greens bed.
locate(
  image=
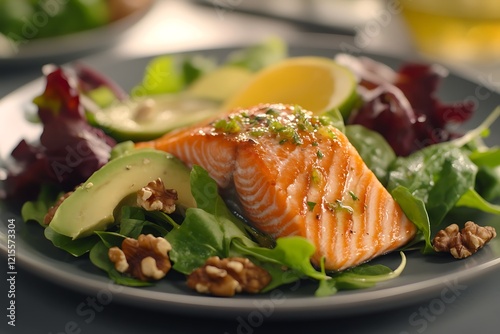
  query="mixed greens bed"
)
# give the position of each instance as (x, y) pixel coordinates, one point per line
(397, 124)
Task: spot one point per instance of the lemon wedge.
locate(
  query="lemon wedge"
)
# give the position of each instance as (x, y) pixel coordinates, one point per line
(317, 84)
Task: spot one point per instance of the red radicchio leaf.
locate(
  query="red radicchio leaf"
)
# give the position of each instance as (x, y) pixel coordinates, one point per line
(413, 118)
(70, 149)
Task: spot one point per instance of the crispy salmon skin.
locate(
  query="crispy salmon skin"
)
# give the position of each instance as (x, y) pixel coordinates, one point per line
(295, 174)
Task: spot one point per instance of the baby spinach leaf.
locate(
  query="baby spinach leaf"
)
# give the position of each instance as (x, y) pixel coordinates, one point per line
(199, 237)
(414, 209)
(129, 226)
(76, 247)
(205, 192)
(292, 252)
(37, 209)
(474, 200)
(335, 118)
(438, 175)
(488, 182)
(360, 277)
(134, 220)
(212, 230)
(488, 158)
(111, 239)
(377, 154)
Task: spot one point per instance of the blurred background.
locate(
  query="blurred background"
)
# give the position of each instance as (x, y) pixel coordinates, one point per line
(462, 33)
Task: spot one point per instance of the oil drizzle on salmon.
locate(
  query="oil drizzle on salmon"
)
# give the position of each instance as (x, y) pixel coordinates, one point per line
(295, 174)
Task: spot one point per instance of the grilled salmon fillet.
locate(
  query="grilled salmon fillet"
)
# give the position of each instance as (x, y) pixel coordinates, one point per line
(295, 174)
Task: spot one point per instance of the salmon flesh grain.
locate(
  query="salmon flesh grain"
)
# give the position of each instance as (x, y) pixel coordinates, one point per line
(295, 174)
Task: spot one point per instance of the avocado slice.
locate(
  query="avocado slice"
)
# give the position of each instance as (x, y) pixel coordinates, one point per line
(90, 208)
(147, 118)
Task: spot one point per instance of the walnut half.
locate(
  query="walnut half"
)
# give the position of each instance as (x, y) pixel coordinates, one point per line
(145, 258)
(154, 197)
(226, 277)
(463, 243)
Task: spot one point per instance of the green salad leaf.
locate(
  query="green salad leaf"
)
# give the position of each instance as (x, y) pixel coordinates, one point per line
(430, 183)
(134, 221)
(259, 56)
(173, 73)
(205, 192)
(415, 210)
(488, 158)
(37, 209)
(438, 175)
(76, 247)
(472, 199)
(360, 277)
(488, 182)
(377, 154)
(162, 75)
(200, 236)
(293, 253)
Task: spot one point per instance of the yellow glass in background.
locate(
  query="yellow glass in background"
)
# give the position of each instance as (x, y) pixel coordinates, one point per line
(455, 30)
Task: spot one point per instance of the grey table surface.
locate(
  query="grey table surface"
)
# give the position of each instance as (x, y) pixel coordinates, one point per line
(45, 307)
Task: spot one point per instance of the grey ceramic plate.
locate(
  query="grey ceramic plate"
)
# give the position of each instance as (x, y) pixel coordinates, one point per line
(423, 277)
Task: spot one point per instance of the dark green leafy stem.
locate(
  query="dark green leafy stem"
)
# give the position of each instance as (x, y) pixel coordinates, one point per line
(481, 130)
(360, 277)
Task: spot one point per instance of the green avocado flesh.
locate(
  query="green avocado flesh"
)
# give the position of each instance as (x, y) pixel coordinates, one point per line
(90, 208)
(149, 118)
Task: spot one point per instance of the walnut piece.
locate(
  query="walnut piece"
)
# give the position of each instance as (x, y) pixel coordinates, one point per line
(52, 210)
(463, 243)
(145, 258)
(226, 277)
(154, 197)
